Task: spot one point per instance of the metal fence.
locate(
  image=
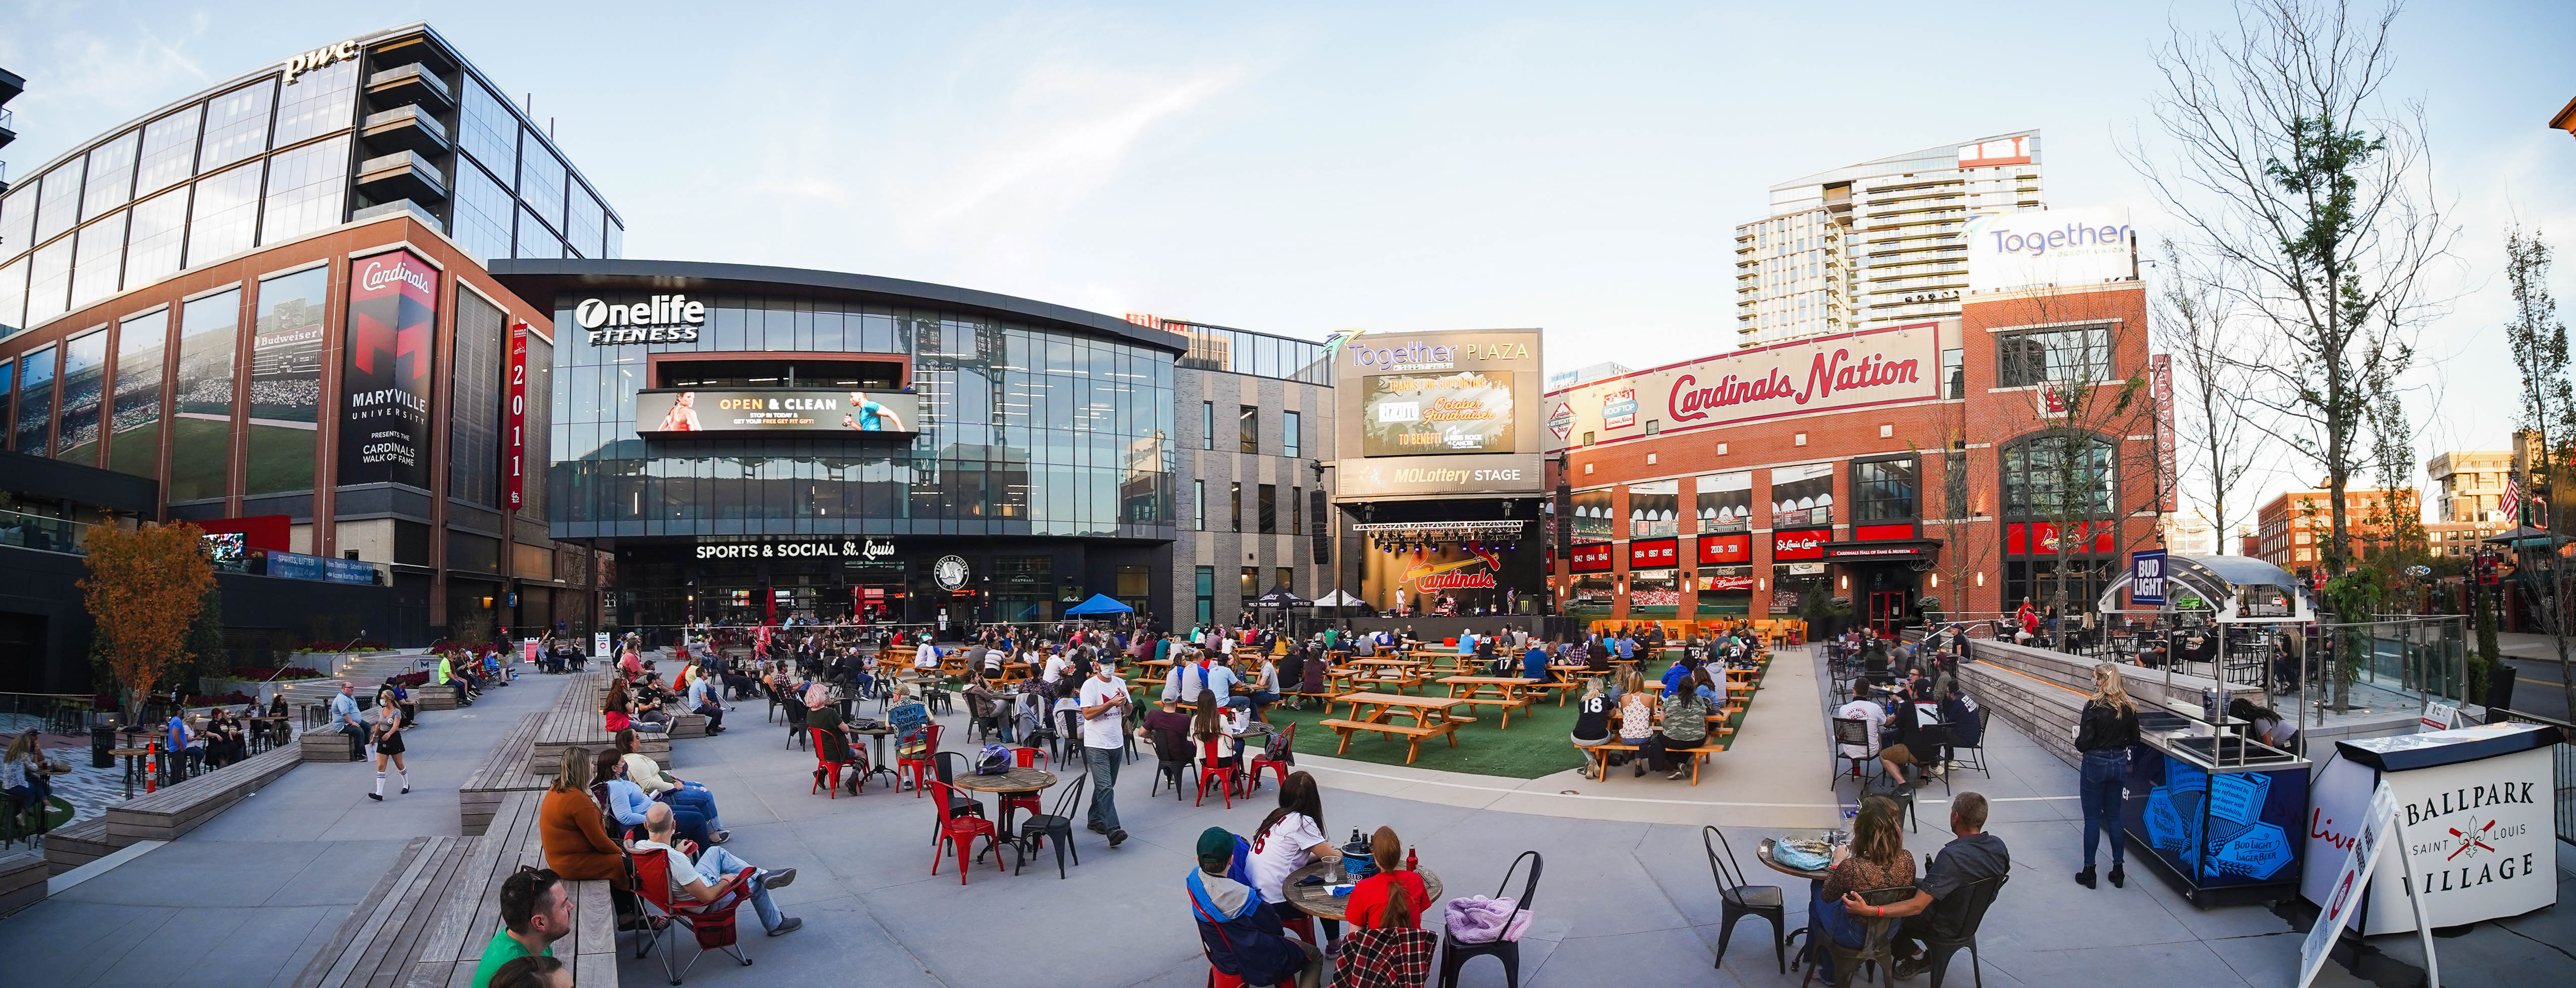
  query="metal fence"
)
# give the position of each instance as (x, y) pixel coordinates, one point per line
(2565, 756)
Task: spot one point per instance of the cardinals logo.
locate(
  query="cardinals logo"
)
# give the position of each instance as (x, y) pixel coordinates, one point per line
(1432, 577)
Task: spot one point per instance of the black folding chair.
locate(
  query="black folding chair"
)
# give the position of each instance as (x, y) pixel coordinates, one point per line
(1854, 733)
(1743, 900)
(1454, 954)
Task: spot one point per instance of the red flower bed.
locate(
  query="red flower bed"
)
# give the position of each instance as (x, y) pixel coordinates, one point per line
(233, 699)
(265, 673)
(410, 680)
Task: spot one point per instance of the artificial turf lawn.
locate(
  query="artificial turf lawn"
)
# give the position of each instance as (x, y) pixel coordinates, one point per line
(1539, 742)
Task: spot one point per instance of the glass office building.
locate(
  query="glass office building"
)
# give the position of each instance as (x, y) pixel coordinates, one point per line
(394, 122)
(1023, 445)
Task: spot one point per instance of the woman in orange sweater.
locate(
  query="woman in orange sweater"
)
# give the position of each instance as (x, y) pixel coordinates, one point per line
(577, 842)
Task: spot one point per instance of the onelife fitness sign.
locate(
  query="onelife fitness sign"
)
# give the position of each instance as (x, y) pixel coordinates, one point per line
(385, 373)
(1853, 370)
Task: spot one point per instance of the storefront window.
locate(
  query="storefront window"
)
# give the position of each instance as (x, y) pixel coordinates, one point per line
(1802, 496)
(1883, 490)
(1205, 584)
(2058, 475)
(286, 381)
(1655, 592)
(1590, 594)
(134, 429)
(1726, 502)
(1654, 509)
(201, 419)
(1724, 590)
(2052, 356)
(1592, 515)
(84, 387)
(35, 403)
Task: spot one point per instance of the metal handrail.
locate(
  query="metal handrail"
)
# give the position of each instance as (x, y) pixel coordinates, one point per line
(2564, 759)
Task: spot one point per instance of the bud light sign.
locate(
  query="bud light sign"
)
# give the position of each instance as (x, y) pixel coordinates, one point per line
(2147, 577)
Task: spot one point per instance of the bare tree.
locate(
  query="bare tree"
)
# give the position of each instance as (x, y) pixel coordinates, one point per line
(2539, 343)
(2216, 436)
(2296, 178)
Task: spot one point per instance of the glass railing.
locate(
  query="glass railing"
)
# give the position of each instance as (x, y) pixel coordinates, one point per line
(28, 531)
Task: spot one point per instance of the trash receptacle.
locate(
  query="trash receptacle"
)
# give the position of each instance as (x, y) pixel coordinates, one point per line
(102, 739)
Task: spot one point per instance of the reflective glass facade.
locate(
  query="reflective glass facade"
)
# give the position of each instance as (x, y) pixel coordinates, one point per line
(263, 159)
(1024, 430)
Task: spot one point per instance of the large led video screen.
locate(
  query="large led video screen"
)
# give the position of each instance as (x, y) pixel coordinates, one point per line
(1425, 414)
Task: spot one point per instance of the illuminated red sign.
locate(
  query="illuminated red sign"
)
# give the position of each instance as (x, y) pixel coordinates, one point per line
(1590, 557)
(1654, 553)
(2041, 538)
(1723, 550)
(1799, 545)
(514, 460)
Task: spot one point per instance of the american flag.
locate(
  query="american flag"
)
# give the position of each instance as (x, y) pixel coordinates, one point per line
(2512, 496)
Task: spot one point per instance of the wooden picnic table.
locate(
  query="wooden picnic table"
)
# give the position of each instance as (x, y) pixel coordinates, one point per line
(1512, 693)
(1398, 663)
(1381, 707)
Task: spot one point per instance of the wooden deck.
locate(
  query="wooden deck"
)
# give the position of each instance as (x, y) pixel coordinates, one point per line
(175, 810)
(503, 772)
(575, 723)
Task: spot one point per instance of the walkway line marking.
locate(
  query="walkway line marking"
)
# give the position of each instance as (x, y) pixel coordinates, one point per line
(1642, 799)
(61, 883)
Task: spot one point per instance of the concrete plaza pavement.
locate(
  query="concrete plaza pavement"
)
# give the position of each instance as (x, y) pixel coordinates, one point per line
(1626, 893)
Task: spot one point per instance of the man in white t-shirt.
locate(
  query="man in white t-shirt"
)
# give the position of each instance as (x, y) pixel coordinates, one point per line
(1867, 711)
(1104, 742)
(1190, 678)
(1056, 664)
(926, 656)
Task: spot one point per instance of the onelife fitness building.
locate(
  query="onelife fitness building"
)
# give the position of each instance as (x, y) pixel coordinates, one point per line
(1888, 467)
(1440, 467)
(758, 443)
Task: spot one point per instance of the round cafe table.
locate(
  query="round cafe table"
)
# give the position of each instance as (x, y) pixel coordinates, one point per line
(1018, 781)
(1815, 880)
(1319, 901)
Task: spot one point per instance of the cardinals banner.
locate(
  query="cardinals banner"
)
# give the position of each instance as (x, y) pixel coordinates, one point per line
(385, 377)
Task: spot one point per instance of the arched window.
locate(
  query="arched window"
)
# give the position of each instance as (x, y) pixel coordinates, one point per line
(2060, 474)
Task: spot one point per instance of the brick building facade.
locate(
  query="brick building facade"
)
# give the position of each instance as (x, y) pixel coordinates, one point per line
(1891, 468)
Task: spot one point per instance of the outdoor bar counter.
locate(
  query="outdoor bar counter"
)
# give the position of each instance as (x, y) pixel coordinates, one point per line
(2220, 815)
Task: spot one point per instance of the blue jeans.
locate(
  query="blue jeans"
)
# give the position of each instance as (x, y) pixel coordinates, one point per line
(1104, 787)
(692, 796)
(2100, 793)
(715, 863)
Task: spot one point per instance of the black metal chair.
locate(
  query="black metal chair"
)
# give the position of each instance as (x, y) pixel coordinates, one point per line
(1056, 826)
(1172, 762)
(795, 726)
(1455, 954)
(1974, 750)
(1970, 914)
(1854, 733)
(1766, 901)
(1877, 943)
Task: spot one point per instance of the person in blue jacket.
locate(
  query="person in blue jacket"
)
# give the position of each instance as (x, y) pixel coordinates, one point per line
(1242, 933)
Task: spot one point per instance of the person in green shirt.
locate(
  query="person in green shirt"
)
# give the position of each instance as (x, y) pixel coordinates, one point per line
(536, 910)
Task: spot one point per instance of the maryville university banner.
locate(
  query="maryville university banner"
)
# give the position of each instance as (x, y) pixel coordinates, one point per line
(393, 329)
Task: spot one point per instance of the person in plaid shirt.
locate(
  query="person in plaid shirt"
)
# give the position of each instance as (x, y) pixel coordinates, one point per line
(1392, 954)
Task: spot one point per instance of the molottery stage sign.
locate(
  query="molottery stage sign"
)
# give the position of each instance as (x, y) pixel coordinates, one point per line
(385, 370)
(1853, 370)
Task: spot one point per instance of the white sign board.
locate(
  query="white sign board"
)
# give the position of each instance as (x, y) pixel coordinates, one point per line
(599, 645)
(2438, 716)
(2483, 840)
(2038, 249)
(2343, 893)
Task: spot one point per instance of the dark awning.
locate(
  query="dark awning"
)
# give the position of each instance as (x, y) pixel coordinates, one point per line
(1874, 550)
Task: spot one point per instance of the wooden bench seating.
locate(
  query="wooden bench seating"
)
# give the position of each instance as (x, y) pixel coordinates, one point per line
(1413, 736)
(431, 696)
(504, 771)
(22, 881)
(688, 725)
(1597, 760)
(428, 919)
(177, 809)
(327, 746)
(75, 844)
(575, 722)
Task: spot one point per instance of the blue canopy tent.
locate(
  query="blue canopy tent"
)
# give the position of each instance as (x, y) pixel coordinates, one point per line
(1100, 603)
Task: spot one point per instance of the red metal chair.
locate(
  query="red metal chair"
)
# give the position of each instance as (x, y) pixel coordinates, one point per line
(922, 769)
(1024, 758)
(712, 923)
(960, 830)
(1212, 771)
(1278, 758)
(827, 770)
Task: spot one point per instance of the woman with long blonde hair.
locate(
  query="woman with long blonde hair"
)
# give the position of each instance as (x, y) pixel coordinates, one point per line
(2108, 727)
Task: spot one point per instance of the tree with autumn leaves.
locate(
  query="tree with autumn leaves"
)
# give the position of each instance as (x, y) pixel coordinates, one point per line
(143, 591)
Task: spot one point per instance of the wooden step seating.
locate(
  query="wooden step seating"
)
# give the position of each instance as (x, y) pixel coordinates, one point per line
(428, 919)
(177, 809)
(503, 772)
(166, 814)
(688, 725)
(316, 745)
(22, 881)
(575, 723)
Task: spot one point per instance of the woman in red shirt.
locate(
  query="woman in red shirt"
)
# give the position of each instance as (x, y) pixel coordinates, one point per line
(1368, 899)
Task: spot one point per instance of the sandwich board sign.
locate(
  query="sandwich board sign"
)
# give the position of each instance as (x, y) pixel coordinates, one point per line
(2347, 893)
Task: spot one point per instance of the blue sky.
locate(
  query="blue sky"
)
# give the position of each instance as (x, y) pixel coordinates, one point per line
(1304, 169)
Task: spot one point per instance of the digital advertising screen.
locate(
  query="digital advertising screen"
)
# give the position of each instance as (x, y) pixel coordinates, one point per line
(674, 412)
(1429, 414)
